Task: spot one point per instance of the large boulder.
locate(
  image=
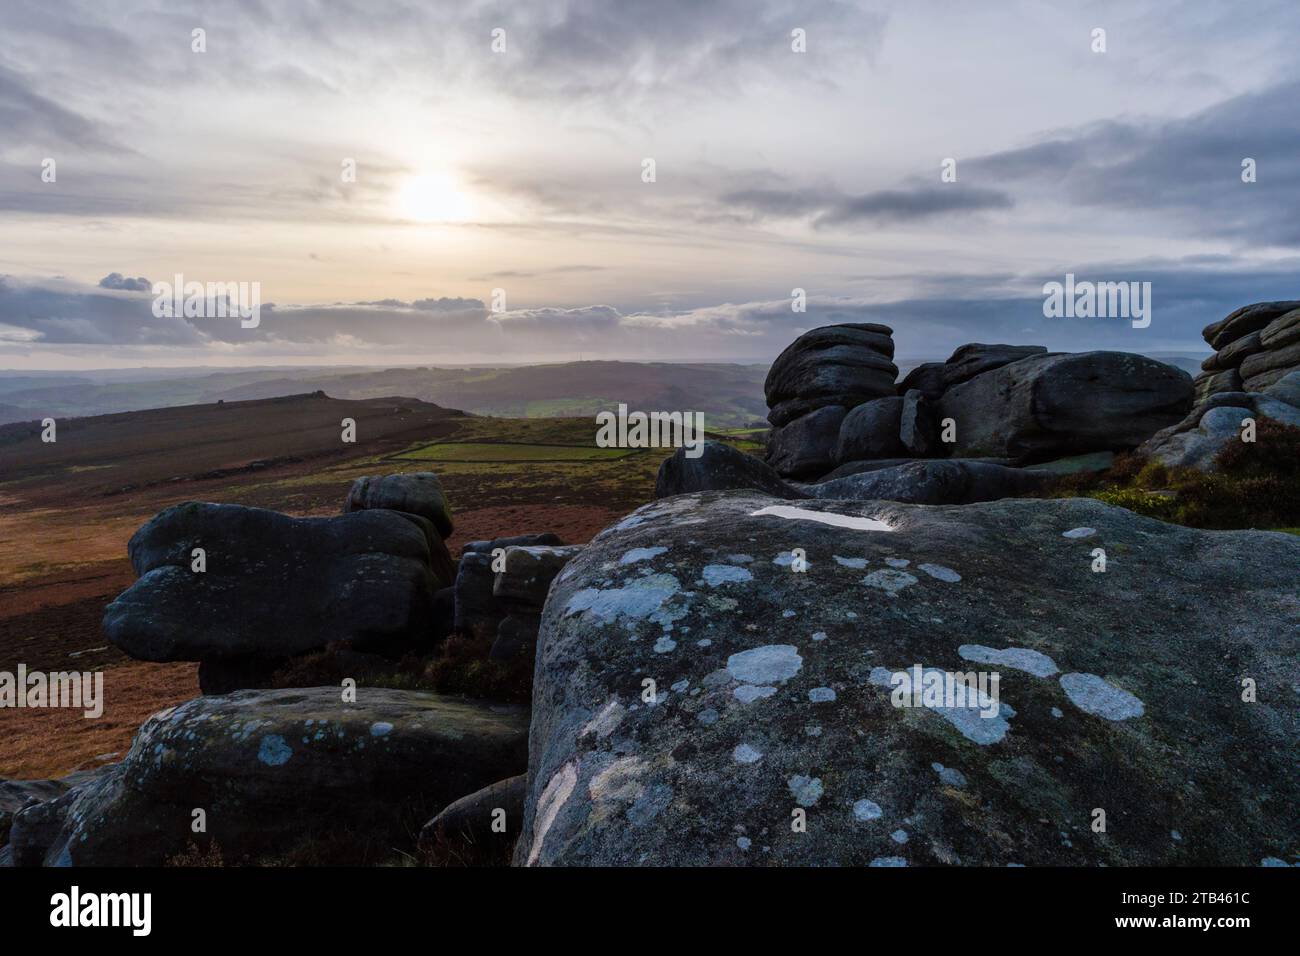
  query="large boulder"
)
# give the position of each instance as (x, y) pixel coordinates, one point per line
(494, 813)
(276, 586)
(807, 445)
(773, 736)
(870, 431)
(277, 771)
(832, 365)
(1061, 404)
(417, 492)
(719, 467)
(932, 379)
(918, 425)
(933, 482)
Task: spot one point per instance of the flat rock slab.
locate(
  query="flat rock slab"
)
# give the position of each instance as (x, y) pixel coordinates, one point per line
(1119, 690)
(274, 768)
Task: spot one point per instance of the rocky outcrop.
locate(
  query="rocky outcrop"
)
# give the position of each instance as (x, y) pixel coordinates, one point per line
(870, 431)
(774, 734)
(278, 772)
(506, 605)
(273, 586)
(719, 467)
(1222, 419)
(932, 379)
(417, 493)
(833, 365)
(520, 590)
(1255, 346)
(1054, 405)
(936, 482)
(806, 446)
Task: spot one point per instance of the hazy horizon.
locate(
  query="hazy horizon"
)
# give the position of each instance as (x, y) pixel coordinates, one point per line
(499, 153)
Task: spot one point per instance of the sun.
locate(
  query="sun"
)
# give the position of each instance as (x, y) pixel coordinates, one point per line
(433, 197)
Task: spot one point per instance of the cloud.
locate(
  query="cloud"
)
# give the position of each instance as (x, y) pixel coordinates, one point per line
(115, 280)
(1188, 169)
(943, 312)
(32, 119)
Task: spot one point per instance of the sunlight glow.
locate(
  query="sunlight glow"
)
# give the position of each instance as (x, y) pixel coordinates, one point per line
(433, 197)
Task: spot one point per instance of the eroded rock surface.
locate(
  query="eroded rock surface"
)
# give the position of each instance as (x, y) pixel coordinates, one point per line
(1120, 690)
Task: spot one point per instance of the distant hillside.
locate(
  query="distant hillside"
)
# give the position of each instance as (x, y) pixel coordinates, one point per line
(104, 454)
(726, 394)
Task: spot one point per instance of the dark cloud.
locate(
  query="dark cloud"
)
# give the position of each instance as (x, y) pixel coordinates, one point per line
(1187, 169)
(947, 311)
(29, 118)
(115, 280)
(828, 208)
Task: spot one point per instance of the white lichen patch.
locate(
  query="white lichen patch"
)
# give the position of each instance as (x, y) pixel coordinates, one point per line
(821, 695)
(854, 522)
(557, 792)
(889, 580)
(1079, 533)
(740, 558)
(619, 781)
(940, 573)
(744, 753)
(1017, 658)
(645, 598)
(888, 861)
(982, 720)
(806, 790)
(899, 836)
(641, 554)
(274, 751)
(865, 810)
(716, 575)
(769, 664)
(606, 720)
(748, 693)
(949, 775)
(664, 645)
(1101, 698)
(897, 562)
(819, 635)
(857, 564)
(381, 728)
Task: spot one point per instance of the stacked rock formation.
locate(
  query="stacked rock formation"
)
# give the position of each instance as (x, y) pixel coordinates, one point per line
(815, 382)
(506, 604)
(1254, 347)
(834, 406)
(244, 590)
(1254, 373)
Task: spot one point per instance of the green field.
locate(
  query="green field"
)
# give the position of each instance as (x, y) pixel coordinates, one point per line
(510, 452)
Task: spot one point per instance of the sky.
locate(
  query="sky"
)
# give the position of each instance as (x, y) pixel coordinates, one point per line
(500, 208)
